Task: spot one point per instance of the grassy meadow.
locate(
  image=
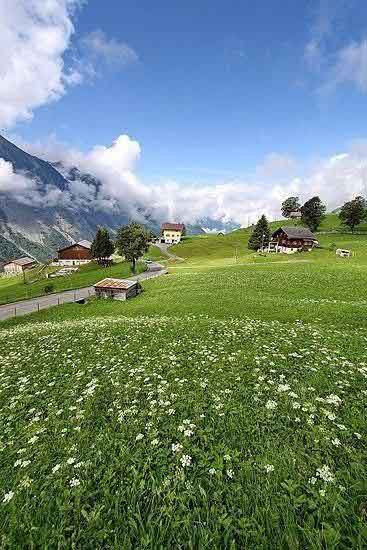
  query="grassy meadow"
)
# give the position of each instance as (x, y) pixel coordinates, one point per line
(225, 407)
(13, 289)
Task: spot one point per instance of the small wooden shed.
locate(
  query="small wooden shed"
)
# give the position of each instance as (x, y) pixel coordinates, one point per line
(118, 289)
(18, 266)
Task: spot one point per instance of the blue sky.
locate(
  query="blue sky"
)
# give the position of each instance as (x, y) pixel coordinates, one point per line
(208, 89)
(216, 87)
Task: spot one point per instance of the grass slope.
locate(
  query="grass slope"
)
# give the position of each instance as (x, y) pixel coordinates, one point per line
(13, 289)
(222, 408)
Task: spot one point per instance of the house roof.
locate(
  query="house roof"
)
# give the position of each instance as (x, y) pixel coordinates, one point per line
(23, 261)
(296, 233)
(122, 284)
(84, 244)
(173, 226)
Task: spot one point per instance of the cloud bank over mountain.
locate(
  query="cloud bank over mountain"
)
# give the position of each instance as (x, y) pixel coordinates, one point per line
(335, 179)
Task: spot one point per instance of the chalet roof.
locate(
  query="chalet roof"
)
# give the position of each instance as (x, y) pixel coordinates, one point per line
(122, 284)
(84, 244)
(22, 261)
(173, 226)
(296, 233)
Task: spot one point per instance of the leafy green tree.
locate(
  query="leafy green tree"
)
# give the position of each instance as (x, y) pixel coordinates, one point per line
(291, 204)
(260, 234)
(353, 212)
(132, 242)
(313, 212)
(102, 246)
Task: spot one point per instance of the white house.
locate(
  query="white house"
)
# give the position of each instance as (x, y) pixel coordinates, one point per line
(171, 233)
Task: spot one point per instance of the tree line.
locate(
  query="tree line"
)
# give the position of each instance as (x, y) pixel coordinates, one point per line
(312, 212)
(132, 241)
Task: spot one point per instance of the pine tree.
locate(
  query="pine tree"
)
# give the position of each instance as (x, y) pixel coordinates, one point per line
(260, 235)
(313, 212)
(102, 246)
(353, 212)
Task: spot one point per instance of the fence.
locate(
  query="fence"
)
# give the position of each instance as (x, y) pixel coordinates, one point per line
(43, 302)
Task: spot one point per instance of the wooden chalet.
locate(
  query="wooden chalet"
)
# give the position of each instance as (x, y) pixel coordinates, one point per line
(118, 289)
(74, 254)
(292, 239)
(18, 266)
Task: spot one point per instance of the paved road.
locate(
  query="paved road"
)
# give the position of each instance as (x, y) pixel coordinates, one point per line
(17, 309)
(163, 247)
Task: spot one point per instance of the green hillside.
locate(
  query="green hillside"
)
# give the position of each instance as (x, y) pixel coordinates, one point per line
(13, 289)
(224, 407)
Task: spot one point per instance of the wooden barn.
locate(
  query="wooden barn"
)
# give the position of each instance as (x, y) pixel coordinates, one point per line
(74, 254)
(292, 239)
(118, 289)
(16, 267)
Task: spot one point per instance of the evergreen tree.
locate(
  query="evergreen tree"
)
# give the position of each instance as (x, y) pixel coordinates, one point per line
(102, 246)
(353, 212)
(291, 204)
(132, 242)
(313, 212)
(260, 235)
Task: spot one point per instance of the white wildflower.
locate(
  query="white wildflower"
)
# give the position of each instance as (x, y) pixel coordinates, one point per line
(271, 404)
(139, 437)
(177, 447)
(325, 473)
(75, 482)
(8, 496)
(186, 460)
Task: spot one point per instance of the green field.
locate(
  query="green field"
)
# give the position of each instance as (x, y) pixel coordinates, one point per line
(13, 289)
(225, 407)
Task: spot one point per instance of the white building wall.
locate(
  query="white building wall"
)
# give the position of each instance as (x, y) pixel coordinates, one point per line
(70, 262)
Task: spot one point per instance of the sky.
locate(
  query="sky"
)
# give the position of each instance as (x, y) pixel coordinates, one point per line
(217, 108)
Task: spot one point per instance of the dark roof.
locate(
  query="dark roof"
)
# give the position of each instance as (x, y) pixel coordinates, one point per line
(84, 244)
(173, 226)
(296, 233)
(23, 261)
(120, 284)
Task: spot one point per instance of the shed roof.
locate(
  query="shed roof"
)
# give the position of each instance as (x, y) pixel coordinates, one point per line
(121, 284)
(23, 261)
(173, 226)
(296, 233)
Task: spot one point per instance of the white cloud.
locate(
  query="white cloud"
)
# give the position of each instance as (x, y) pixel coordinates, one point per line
(99, 49)
(335, 180)
(12, 182)
(34, 35)
(335, 65)
(350, 66)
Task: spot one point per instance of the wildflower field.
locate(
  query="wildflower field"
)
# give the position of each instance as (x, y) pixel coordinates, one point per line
(182, 433)
(225, 407)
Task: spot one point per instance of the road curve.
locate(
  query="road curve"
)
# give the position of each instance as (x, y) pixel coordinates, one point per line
(24, 307)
